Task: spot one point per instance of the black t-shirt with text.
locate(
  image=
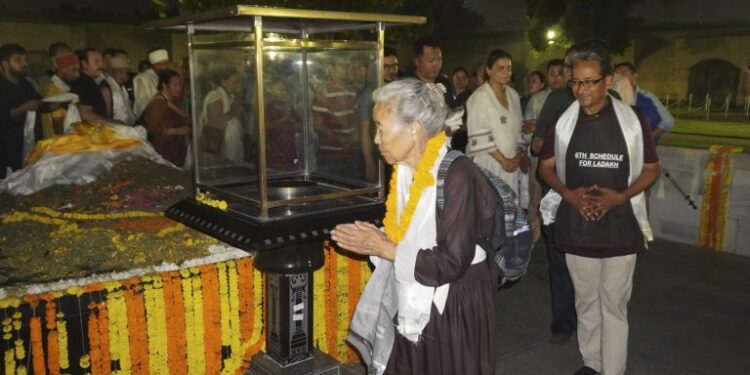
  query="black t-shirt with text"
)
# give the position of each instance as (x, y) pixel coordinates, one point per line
(597, 155)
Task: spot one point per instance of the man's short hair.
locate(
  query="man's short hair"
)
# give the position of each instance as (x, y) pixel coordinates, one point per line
(83, 54)
(539, 74)
(555, 62)
(10, 49)
(460, 69)
(55, 48)
(109, 52)
(591, 50)
(390, 51)
(627, 64)
(423, 42)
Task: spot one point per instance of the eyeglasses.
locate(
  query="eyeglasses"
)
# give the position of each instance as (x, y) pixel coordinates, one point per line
(587, 83)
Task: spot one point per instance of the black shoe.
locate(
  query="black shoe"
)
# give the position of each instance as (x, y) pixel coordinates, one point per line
(559, 338)
(585, 370)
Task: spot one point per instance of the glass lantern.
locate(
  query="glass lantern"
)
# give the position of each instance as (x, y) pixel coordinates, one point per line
(282, 147)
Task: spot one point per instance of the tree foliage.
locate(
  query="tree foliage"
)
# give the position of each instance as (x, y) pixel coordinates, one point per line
(441, 15)
(581, 19)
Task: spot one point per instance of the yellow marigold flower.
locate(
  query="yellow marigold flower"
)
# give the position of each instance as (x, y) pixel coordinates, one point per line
(75, 290)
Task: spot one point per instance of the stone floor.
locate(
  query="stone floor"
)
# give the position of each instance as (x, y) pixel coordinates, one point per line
(689, 314)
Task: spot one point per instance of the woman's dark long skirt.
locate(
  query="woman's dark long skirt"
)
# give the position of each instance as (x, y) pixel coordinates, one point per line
(461, 340)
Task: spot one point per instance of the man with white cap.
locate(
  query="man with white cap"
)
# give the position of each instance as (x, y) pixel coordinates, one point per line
(144, 84)
(116, 76)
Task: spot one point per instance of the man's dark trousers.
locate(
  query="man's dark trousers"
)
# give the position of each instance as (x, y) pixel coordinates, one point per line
(561, 287)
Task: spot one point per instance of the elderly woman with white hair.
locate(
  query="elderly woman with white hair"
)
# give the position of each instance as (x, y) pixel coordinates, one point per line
(428, 308)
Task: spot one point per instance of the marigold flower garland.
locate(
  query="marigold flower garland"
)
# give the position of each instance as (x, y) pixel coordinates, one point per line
(211, 318)
(197, 351)
(157, 331)
(119, 342)
(342, 307)
(235, 341)
(423, 178)
(53, 348)
(246, 286)
(354, 274)
(175, 323)
(37, 346)
(132, 330)
(136, 317)
(223, 289)
(331, 300)
(95, 351)
(319, 306)
(62, 341)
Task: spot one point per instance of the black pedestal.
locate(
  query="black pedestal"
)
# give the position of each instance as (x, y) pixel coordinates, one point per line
(287, 251)
(288, 320)
(289, 296)
(317, 364)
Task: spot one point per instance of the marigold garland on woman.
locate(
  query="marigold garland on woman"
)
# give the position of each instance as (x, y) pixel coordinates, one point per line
(424, 260)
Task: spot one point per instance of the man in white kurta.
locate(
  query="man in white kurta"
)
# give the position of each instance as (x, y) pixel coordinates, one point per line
(494, 127)
(145, 84)
(116, 76)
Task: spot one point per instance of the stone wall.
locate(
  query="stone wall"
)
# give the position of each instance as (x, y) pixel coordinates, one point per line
(666, 66)
(664, 57)
(36, 37)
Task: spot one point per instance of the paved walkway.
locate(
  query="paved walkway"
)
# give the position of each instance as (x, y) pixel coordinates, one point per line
(689, 314)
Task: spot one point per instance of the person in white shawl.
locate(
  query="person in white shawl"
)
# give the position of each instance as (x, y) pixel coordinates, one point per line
(145, 83)
(494, 122)
(598, 159)
(431, 278)
(116, 76)
(221, 118)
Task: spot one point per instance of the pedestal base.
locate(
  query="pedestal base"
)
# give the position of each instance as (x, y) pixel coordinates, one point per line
(319, 364)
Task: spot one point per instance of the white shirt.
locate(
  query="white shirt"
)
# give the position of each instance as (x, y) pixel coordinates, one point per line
(144, 88)
(121, 109)
(494, 127)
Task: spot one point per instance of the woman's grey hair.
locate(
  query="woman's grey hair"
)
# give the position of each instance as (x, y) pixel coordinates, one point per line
(414, 101)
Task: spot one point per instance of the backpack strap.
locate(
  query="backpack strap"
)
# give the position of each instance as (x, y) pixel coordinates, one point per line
(442, 172)
(514, 218)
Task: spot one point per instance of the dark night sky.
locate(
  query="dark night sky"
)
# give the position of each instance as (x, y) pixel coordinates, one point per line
(498, 14)
(116, 6)
(509, 14)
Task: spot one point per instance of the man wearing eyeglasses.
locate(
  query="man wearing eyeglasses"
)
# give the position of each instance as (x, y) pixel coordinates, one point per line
(390, 65)
(599, 158)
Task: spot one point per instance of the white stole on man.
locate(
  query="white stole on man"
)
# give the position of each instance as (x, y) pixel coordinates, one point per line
(633, 133)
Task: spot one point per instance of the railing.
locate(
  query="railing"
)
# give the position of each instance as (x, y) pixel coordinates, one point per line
(728, 108)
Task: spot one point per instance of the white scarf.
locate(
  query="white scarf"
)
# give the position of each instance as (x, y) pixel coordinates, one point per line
(121, 110)
(144, 87)
(414, 299)
(57, 81)
(631, 130)
(393, 290)
(233, 148)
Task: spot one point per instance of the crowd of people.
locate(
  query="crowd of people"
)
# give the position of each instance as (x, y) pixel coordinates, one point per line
(578, 149)
(90, 85)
